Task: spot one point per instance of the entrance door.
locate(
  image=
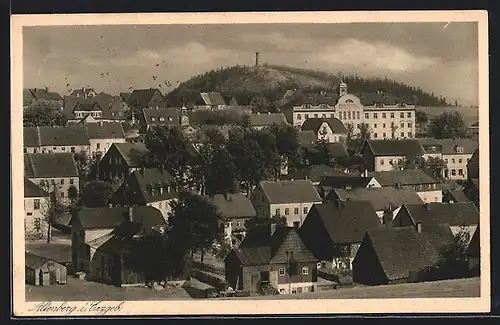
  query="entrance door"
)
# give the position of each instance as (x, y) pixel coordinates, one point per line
(40, 277)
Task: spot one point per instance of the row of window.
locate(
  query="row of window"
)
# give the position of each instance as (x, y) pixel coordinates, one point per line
(459, 160)
(402, 125)
(460, 172)
(305, 271)
(93, 114)
(35, 150)
(161, 119)
(44, 182)
(306, 116)
(384, 135)
(391, 162)
(384, 115)
(287, 211)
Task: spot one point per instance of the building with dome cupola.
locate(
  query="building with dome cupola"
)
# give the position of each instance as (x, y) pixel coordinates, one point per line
(387, 116)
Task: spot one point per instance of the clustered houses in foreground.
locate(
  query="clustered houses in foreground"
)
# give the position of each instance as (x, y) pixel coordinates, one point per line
(384, 224)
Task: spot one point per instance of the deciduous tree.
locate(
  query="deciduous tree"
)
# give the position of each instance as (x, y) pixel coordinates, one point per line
(96, 193)
(43, 114)
(448, 125)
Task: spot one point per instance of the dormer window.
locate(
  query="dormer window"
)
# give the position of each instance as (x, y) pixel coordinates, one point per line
(168, 189)
(460, 149)
(161, 190)
(379, 104)
(153, 119)
(162, 119)
(170, 119)
(349, 101)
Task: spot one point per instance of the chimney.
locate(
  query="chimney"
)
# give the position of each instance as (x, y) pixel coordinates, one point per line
(130, 214)
(296, 225)
(256, 59)
(365, 173)
(419, 227)
(273, 228)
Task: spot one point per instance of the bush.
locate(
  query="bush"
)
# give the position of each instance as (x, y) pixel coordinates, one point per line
(266, 289)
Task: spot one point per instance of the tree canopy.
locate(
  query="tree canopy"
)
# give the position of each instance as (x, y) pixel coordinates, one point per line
(96, 193)
(43, 114)
(448, 125)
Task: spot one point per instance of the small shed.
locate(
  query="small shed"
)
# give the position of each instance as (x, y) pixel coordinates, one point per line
(41, 271)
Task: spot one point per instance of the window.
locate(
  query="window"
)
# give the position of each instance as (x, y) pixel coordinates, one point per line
(384, 115)
(162, 119)
(390, 161)
(36, 204)
(375, 115)
(296, 211)
(35, 150)
(53, 181)
(384, 135)
(402, 115)
(332, 115)
(71, 181)
(374, 126)
(305, 270)
(54, 148)
(305, 210)
(306, 116)
(409, 134)
(153, 119)
(315, 115)
(461, 172)
(299, 116)
(402, 125)
(25, 150)
(37, 224)
(264, 276)
(402, 134)
(323, 115)
(98, 145)
(409, 115)
(460, 160)
(357, 125)
(281, 272)
(468, 159)
(62, 181)
(73, 149)
(392, 115)
(366, 115)
(287, 211)
(160, 205)
(375, 135)
(452, 160)
(358, 115)
(409, 125)
(345, 115)
(29, 214)
(349, 115)
(453, 172)
(278, 212)
(446, 160)
(381, 161)
(62, 195)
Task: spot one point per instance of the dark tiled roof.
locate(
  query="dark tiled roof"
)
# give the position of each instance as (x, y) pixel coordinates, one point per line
(49, 165)
(82, 91)
(105, 131)
(148, 184)
(307, 137)
(390, 147)
(458, 196)
(474, 244)
(141, 98)
(43, 94)
(103, 101)
(380, 197)
(33, 190)
(87, 107)
(403, 177)
(336, 149)
(31, 137)
(33, 261)
(402, 250)
(315, 173)
(290, 191)
(448, 146)
(440, 235)
(235, 206)
(162, 116)
(345, 181)
(370, 99)
(254, 255)
(267, 119)
(75, 135)
(299, 98)
(313, 124)
(131, 152)
(107, 218)
(125, 96)
(210, 98)
(347, 222)
(454, 214)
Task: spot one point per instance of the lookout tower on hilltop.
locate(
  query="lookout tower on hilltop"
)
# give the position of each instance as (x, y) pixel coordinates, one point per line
(256, 59)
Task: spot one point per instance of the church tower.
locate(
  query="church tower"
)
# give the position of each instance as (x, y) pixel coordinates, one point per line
(342, 88)
(184, 117)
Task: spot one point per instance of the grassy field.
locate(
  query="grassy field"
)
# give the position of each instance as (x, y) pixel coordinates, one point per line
(461, 288)
(82, 290)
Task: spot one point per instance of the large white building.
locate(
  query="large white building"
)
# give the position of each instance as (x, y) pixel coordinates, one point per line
(387, 116)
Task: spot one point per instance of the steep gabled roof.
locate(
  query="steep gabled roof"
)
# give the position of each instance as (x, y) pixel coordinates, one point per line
(131, 152)
(150, 184)
(372, 98)
(299, 98)
(33, 190)
(380, 197)
(315, 173)
(401, 251)
(210, 98)
(336, 149)
(454, 214)
(74, 135)
(161, 116)
(105, 131)
(31, 137)
(141, 98)
(295, 191)
(403, 177)
(347, 222)
(49, 165)
(448, 146)
(267, 119)
(108, 218)
(234, 206)
(314, 124)
(87, 107)
(307, 137)
(390, 147)
(33, 261)
(345, 181)
(103, 101)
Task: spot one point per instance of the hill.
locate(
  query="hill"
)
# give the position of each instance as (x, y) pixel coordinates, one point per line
(272, 81)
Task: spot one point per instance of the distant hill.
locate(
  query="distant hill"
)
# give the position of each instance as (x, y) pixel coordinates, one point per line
(272, 81)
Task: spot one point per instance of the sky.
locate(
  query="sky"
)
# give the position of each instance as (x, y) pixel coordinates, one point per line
(438, 57)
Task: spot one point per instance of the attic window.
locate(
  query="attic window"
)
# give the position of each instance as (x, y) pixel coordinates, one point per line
(170, 119)
(349, 101)
(433, 148)
(460, 149)
(161, 119)
(153, 119)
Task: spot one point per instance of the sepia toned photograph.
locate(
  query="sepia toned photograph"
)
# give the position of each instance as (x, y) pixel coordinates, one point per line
(236, 163)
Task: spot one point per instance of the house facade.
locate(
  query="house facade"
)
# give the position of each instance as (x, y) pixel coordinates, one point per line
(120, 160)
(41, 271)
(48, 139)
(329, 130)
(385, 155)
(36, 203)
(103, 135)
(209, 101)
(264, 120)
(266, 261)
(291, 199)
(166, 116)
